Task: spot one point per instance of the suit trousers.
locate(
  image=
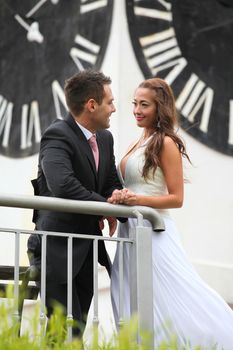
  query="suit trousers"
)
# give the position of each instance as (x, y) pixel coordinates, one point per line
(82, 292)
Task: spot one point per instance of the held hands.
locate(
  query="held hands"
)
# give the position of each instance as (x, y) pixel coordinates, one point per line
(124, 196)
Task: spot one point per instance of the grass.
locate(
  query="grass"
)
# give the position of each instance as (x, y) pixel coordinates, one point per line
(55, 338)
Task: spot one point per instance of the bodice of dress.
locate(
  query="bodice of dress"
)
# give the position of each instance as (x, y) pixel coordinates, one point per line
(154, 185)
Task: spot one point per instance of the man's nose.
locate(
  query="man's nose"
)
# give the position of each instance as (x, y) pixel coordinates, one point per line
(113, 108)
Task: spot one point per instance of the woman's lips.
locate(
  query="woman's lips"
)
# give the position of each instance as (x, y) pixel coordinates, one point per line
(139, 118)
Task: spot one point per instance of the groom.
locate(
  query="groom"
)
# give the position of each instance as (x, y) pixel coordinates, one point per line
(72, 167)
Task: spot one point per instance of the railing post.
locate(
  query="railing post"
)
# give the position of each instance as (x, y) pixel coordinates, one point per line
(16, 277)
(143, 237)
(133, 273)
(69, 318)
(121, 285)
(95, 321)
(43, 285)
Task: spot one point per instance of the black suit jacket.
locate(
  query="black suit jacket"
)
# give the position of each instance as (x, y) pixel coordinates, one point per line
(67, 170)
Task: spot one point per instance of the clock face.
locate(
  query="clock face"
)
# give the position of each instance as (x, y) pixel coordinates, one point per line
(189, 43)
(42, 43)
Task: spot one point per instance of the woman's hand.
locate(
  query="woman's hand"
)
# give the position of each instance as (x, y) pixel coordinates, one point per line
(124, 196)
(117, 196)
(130, 198)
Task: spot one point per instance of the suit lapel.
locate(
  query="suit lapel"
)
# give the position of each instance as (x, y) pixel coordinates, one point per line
(82, 142)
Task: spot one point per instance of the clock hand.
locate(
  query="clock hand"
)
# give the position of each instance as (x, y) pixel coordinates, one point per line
(35, 8)
(33, 29)
(214, 26)
(38, 5)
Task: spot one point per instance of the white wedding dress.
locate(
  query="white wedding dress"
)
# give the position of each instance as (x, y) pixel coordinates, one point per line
(184, 304)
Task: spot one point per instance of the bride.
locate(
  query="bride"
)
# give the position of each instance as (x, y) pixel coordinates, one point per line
(151, 170)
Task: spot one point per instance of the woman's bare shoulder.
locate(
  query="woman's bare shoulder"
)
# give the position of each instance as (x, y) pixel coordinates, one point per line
(169, 148)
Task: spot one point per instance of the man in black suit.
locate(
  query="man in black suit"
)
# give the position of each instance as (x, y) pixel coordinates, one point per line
(67, 169)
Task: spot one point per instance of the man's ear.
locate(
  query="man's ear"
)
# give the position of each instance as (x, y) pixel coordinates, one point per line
(91, 105)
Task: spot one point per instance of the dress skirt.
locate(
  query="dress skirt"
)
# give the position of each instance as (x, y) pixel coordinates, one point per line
(184, 305)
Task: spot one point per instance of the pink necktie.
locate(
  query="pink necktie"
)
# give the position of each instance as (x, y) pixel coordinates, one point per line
(95, 150)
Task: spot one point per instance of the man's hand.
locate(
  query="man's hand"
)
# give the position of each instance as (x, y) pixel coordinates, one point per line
(112, 223)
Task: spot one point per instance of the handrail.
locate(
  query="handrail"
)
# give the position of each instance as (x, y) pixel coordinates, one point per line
(140, 254)
(82, 207)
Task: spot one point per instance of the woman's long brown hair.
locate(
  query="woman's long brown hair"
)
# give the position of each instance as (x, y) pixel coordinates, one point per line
(165, 121)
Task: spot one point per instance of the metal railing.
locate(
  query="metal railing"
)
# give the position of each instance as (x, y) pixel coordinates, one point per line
(140, 253)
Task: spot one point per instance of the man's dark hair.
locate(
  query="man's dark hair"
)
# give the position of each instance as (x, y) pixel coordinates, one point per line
(83, 86)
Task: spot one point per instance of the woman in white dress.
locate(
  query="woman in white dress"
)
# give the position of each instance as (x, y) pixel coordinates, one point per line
(151, 171)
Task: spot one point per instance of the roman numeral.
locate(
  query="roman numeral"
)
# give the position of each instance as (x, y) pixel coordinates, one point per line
(87, 6)
(161, 52)
(195, 95)
(6, 109)
(58, 98)
(230, 136)
(30, 120)
(88, 53)
(152, 13)
(166, 4)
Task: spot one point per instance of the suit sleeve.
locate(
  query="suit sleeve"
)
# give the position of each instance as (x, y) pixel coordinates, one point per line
(56, 163)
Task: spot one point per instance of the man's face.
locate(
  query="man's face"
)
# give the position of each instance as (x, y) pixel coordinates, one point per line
(102, 114)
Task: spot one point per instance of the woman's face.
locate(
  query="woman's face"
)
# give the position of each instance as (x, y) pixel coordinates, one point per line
(145, 108)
